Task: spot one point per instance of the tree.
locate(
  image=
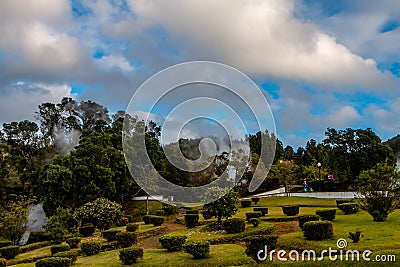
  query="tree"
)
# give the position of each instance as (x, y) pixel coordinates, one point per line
(225, 206)
(378, 191)
(61, 223)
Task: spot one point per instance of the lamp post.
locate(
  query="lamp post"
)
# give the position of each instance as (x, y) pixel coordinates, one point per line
(319, 165)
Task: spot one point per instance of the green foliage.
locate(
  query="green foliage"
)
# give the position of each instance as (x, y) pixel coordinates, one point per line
(191, 220)
(126, 239)
(170, 210)
(73, 242)
(198, 249)
(206, 215)
(72, 255)
(348, 208)
(307, 218)
(245, 203)
(91, 248)
(113, 245)
(160, 212)
(146, 219)
(225, 206)
(250, 215)
(355, 236)
(255, 200)
(102, 213)
(234, 225)
(38, 236)
(5, 243)
(87, 230)
(318, 230)
(290, 210)
(157, 220)
(172, 243)
(192, 211)
(59, 248)
(110, 235)
(129, 256)
(61, 223)
(3, 262)
(342, 201)
(263, 210)
(326, 214)
(14, 220)
(258, 242)
(378, 191)
(34, 246)
(255, 221)
(53, 262)
(132, 227)
(9, 252)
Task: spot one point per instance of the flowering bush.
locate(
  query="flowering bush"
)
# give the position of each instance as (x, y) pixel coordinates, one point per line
(3, 262)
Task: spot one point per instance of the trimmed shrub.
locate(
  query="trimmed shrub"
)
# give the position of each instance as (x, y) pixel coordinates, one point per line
(3, 262)
(258, 242)
(53, 262)
(290, 210)
(172, 242)
(326, 214)
(348, 208)
(206, 215)
(250, 215)
(129, 256)
(9, 252)
(5, 243)
(113, 245)
(34, 246)
(122, 221)
(245, 203)
(318, 230)
(255, 200)
(38, 236)
(87, 230)
(72, 255)
(192, 211)
(159, 212)
(110, 234)
(234, 225)
(146, 219)
(156, 220)
(132, 227)
(129, 218)
(307, 218)
(91, 248)
(254, 221)
(170, 210)
(342, 201)
(263, 210)
(191, 220)
(198, 249)
(126, 239)
(59, 248)
(73, 242)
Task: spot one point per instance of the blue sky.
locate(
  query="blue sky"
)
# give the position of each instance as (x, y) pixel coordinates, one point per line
(321, 63)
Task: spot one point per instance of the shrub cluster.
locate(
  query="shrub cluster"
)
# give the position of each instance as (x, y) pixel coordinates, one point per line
(318, 230)
(191, 220)
(172, 242)
(192, 211)
(59, 248)
(126, 239)
(38, 236)
(156, 220)
(72, 255)
(234, 225)
(34, 246)
(263, 210)
(250, 215)
(198, 249)
(307, 218)
(206, 214)
(87, 230)
(113, 245)
(255, 221)
(5, 243)
(245, 203)
(348, 208)
(342, 201)
(132, 227)
(291, 210)
(129, 256)
(160, 212)
(110, 235)
(146, 219)
(258, 242)
(9, 252)
(170, 210)
(91, 248)
(73, 242)
(326, 214)
(53, 262)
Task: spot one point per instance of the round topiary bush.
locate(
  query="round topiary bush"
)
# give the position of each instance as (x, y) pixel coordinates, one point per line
(256, 243)
(156, 220)
(58, 248)
(73, 242)
(132, 227)
(245, 203)
(87, 230)
(348, 208)
(326, 214)
(129, 256)
(198, 249)
(318, 230)
(53, 262)
(110, 234)
(263, 210)
(191, 220)
(250, 215)
(72, 255)
(307, 218)
(234, 225)
(9, 252)
(172, 242)
(291, 210)
(126, 239)
(91, 248)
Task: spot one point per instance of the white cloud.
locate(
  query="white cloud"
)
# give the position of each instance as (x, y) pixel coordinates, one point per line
(115, 61)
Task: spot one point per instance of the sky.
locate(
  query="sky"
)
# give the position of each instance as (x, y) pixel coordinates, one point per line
(319, 63)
